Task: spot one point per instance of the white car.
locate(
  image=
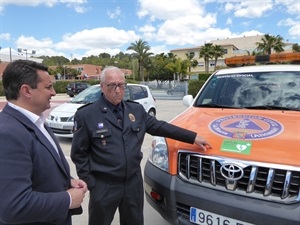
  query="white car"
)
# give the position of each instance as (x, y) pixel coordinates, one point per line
(61, 118)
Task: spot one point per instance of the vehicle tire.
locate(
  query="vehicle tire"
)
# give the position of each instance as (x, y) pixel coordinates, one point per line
(152, 112)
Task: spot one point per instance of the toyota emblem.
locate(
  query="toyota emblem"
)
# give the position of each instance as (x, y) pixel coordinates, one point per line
(232, 171)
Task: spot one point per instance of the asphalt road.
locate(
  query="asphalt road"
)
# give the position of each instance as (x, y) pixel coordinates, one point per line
(166, 110)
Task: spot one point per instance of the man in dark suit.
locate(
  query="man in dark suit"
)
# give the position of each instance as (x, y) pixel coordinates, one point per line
(35, 183)
(106, 149)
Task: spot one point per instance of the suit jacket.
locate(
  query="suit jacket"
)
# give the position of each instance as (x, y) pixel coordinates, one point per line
(102, 147)
(33, 178)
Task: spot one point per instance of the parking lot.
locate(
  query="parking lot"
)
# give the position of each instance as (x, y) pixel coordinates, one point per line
(166, 110)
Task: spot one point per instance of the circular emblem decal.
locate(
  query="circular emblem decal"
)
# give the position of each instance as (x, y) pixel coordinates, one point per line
(247, 127)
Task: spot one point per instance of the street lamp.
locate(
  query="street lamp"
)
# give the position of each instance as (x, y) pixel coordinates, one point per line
(20, 50)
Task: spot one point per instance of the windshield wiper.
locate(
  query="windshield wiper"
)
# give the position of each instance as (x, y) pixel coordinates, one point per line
(270, 107)
(213, 105)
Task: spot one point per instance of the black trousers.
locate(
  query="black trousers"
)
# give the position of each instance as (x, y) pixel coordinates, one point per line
(107, 196)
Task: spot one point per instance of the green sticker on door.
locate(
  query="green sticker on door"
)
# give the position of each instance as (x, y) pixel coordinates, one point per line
(238, 146)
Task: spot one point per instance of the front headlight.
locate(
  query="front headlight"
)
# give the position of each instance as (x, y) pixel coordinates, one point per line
(159, 153)
(71, 119)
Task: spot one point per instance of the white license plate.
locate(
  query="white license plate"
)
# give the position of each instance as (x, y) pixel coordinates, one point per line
(55, 125)
(199, 216)
(69, 89)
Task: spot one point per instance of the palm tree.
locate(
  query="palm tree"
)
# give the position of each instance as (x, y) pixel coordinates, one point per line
(206, 52)
(190, 56)
(141, 49)
(296, 47)
(218, 51)
(269, 42)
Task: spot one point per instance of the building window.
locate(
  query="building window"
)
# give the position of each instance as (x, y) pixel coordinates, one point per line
(192, 54)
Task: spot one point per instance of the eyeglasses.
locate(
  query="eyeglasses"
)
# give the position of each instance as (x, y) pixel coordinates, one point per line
(114, 86)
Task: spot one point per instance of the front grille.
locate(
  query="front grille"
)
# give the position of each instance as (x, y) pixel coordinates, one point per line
(61, 119)
(61, 131)
(64, 119)
(271, 182)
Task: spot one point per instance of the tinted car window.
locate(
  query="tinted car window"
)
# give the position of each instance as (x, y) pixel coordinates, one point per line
(137, 92)
(76, 87)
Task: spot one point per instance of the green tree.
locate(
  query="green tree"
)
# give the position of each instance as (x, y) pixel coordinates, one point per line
(218, 52)
(296, 47)
(141, 49)
(55, 60)
(159, 70)
(177, 67)
(269, 43)
(207, 53)
(189, 57)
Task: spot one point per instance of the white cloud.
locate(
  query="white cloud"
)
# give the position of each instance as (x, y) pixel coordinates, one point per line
(42, 47)
(294, 25)
(229, 21)
(115, 13)
(292, 6)
(5, 36)
(252, 8)
(169, 9)
(96, 38)
(185, 30)
(159, 49)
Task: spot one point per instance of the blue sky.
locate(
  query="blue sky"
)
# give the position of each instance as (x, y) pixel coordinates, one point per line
(80, 28)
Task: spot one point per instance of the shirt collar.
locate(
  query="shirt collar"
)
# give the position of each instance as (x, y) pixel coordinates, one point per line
(30, 115)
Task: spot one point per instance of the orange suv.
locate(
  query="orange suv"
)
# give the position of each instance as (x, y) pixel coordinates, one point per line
(251, 117)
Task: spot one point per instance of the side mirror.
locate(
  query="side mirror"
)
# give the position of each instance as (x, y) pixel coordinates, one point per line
(187, 100)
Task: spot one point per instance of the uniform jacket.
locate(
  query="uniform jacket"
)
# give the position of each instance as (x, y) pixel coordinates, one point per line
(102, 147)
(33, 178)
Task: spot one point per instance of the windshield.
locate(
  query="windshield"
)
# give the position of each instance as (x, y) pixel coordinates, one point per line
(90, 94)
(269, 90)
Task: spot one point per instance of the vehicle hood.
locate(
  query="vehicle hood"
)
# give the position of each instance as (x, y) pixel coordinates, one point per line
(269, 136)
(65, 109)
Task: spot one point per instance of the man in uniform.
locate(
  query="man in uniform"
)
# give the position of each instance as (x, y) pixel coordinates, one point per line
(106, 149)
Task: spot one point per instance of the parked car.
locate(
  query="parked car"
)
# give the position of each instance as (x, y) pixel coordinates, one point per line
(61, 118)
(176, 89)
(251, 118)
(76, 87)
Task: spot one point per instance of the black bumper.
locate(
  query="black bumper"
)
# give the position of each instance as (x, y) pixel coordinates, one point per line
(179, 196)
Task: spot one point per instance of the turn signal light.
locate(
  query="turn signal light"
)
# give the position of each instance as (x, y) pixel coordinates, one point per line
(156, 196)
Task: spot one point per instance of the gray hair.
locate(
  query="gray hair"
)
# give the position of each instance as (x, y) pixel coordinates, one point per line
(106, 69)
